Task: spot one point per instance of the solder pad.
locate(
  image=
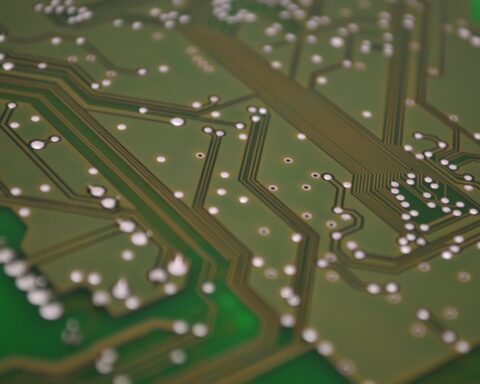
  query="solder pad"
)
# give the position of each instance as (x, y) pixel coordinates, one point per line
(239, 191)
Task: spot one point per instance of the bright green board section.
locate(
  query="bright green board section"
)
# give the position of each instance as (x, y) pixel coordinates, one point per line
(475, 4)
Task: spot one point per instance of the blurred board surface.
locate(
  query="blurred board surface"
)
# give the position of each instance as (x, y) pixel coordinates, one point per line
(239, 191)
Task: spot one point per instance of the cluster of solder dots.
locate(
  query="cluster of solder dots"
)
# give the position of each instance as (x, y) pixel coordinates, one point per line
(168, 19)
(464, 33)
(440, 144)
(314, 22)
(200, 60)
(451, 250)
(445, 203)
(448, 336)
(36, 144)
(442, 161)
(34, 285)
(74, 14)
(17, 191)
(121, 289)
(224, 10)
(405, 242)
(99, 192)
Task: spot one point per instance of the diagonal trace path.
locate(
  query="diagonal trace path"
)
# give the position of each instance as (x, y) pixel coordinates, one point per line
(341, 137)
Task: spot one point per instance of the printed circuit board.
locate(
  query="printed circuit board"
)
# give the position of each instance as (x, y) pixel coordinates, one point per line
(239, 191)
